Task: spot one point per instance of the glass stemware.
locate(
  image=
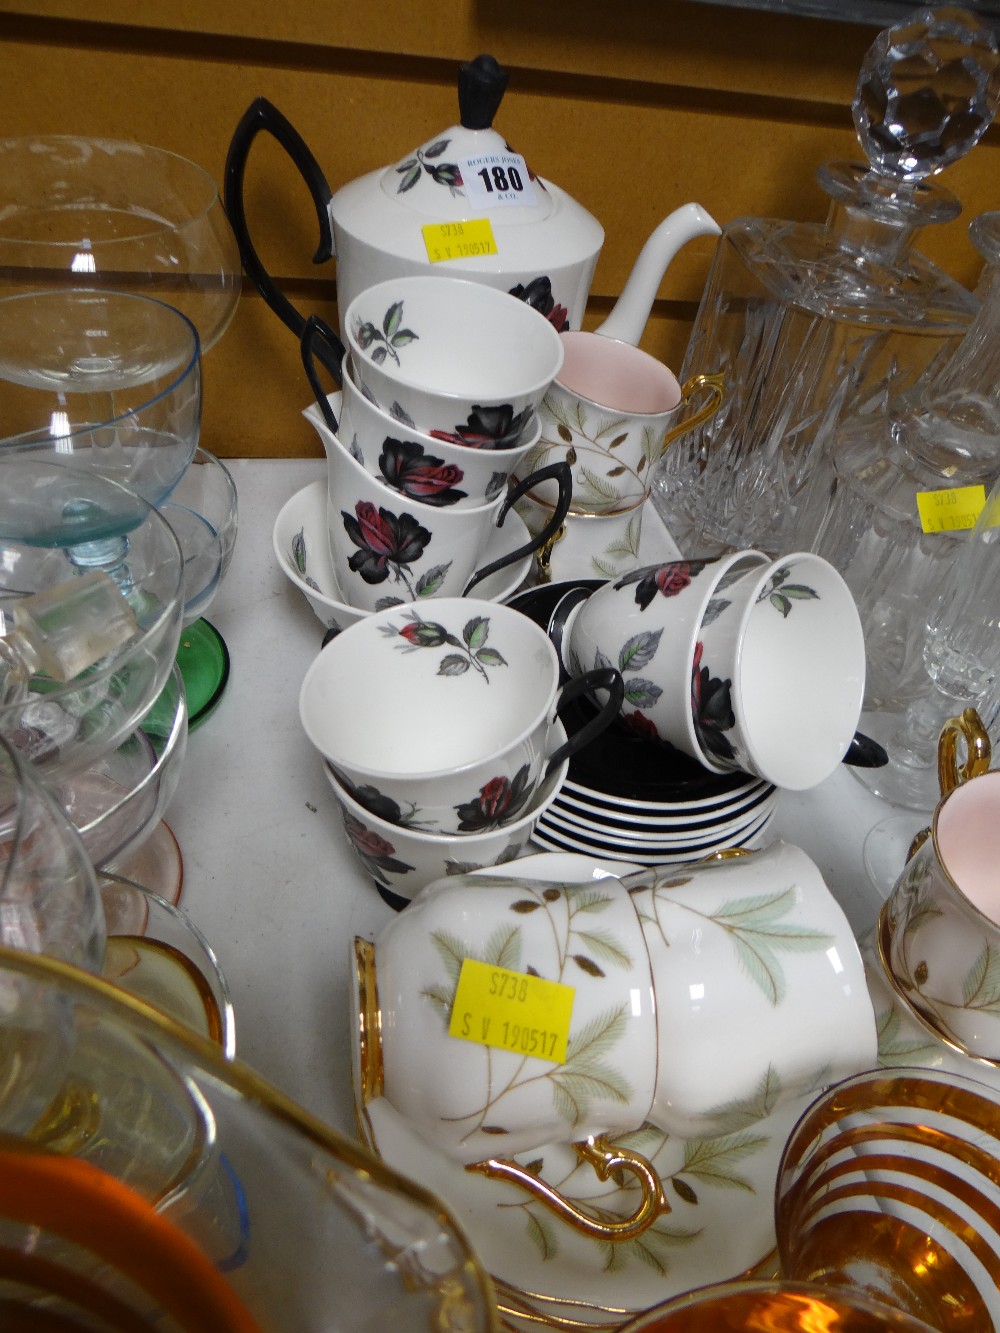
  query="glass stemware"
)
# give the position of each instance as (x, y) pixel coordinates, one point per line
(960, 658)
(203, 512)
(117, 803)
(105, 382)
(109, 215)
(65, 724)
(956, 647)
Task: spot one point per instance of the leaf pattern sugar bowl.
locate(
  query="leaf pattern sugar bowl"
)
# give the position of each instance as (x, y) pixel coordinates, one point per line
(433, 711)
(510, 1015)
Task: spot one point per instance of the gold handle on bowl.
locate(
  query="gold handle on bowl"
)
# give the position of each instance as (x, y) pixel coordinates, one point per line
(605, 1159)
(978, 753)
(715, 384)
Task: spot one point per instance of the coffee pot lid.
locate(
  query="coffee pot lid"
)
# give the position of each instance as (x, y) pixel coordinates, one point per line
(470, 169)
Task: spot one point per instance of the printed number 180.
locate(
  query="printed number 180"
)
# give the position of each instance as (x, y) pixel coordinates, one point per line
(501, 179)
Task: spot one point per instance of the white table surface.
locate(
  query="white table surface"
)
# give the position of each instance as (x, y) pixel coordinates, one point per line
(268, 873)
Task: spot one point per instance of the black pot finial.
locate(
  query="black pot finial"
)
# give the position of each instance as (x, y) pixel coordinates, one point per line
(481, 86)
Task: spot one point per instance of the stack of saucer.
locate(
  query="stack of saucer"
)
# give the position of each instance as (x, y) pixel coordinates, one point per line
(633, 799)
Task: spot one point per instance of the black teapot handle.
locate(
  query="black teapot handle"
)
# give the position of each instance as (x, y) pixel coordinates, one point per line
(263, 115)
(320, 343)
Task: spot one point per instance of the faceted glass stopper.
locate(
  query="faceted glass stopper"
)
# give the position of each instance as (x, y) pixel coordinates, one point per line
(927, 92)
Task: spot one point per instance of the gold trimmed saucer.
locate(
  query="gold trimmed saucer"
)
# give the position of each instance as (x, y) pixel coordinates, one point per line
(546, 1274)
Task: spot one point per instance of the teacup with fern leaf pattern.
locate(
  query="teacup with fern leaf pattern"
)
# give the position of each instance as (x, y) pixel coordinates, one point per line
(512, 1014)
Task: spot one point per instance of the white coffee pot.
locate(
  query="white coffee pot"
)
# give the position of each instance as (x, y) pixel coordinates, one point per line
(465, 203)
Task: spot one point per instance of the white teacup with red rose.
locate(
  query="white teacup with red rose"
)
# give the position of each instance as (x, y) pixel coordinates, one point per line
(646, 624)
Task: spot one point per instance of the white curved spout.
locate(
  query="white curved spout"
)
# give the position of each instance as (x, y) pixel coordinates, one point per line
(628, 319)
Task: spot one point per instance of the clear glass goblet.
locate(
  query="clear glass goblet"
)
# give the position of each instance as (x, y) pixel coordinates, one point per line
(110, 215)
(117, 804)
(103, 382)
(960, 652)
(70, 692)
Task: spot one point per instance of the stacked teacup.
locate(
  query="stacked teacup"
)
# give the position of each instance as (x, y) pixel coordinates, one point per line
(752, 668)
(439, 729)
(442, 380)
(746, 664)
(610, 412)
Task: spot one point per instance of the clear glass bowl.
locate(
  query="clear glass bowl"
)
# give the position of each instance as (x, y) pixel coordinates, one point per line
(103, 382)
(156, 953)
(118, 802)
(203, 512)
(119, 216)
(177, 1189)
(66, 726)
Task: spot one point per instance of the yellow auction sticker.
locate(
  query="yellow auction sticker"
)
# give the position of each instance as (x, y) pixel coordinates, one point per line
(514, 1011)
(950, 510)
(459, 240)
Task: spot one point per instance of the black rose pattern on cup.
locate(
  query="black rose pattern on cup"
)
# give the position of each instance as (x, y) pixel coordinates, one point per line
(711, 709)
(407, 468)
(498, 427)
(388, 544)
(498, 802)
(538, 294)
(299, 560)
(668, 580)
(510, 853)
(495, 485)
(639, 650)
(386, 341)
(376, 853)
(377, 803)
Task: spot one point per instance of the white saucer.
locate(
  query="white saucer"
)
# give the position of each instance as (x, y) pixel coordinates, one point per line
(720, 1192)
(303, 552)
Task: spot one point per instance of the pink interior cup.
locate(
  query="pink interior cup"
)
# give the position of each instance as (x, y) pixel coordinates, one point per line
(967, 831)
(616, 375)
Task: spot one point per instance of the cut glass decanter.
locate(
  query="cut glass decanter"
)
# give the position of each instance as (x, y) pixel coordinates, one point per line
(812, 323)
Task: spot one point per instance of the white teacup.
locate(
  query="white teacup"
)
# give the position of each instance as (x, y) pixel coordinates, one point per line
(463, 468)
(514, 1015)
(443, 709)
(647, 624)
(388, 548)
(939, 930)
(433, 469)
(444, 350)
(779, 674)
(610, 412)
(402, 860)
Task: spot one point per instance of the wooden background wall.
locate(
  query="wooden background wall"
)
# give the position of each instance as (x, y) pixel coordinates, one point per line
(633, 106)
